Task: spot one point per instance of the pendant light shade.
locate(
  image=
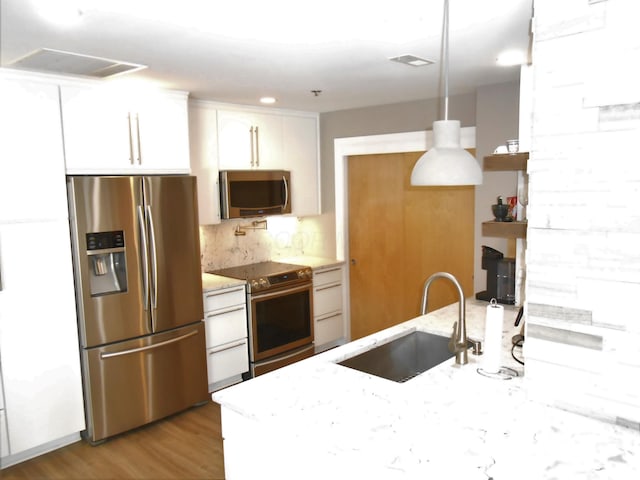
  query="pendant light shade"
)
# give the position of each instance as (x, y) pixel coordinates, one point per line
(446, 163)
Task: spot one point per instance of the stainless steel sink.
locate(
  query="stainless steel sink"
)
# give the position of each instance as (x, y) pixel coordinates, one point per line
(402, 358)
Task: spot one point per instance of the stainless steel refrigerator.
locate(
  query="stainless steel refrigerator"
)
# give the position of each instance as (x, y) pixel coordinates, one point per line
(136, 253)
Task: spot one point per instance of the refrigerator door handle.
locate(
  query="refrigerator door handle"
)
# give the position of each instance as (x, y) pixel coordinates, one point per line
(154, 259)
(145, 260)
(148, 347)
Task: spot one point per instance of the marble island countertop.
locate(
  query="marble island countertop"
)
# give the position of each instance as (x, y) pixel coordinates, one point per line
(449, 422)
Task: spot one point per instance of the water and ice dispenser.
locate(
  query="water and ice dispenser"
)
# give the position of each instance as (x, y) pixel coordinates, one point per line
(107, 264)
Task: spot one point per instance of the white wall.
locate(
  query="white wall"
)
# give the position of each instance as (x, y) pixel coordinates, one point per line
(582, 343)
(496, 122)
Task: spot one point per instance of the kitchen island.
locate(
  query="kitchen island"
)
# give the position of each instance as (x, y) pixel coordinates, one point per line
(316, 419)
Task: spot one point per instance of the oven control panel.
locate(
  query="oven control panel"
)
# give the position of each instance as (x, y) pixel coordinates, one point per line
(291, 278)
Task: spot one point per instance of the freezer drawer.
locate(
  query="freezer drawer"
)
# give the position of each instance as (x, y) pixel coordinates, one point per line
(138, 381)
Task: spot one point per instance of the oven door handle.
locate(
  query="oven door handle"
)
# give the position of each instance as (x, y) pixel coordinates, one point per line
(280, 358)
(284, 291)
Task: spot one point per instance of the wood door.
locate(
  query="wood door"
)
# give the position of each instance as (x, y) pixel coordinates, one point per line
(398, 236)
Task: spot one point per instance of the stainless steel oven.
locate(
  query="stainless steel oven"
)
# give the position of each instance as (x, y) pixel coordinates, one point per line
(280, 313)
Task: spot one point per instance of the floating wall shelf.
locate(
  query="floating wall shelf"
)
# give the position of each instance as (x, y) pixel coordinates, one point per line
(505, 162)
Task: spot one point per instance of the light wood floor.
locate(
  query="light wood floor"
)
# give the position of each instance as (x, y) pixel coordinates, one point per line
(185, 446)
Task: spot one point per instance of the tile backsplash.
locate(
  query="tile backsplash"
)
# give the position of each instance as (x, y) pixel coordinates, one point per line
(285, 237)
(582, 343)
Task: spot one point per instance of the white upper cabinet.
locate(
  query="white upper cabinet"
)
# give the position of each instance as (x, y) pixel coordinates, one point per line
(300, 156)
(32, 181)
(113, 127)
(223, 137)
(248, 139)
(203, 142)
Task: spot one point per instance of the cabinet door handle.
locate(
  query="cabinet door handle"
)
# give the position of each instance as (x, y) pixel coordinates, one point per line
(222, 312)
(328, 270)
(138, 136)
(235, 345)
(257, 147)
(286, 192)
(333, 285)
(131, 157)
(252, 145)
(333, 315)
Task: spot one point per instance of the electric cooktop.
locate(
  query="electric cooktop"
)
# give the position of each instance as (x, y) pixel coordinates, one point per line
(265, 275)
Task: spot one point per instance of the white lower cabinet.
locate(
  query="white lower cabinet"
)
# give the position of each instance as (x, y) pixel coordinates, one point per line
(40, 353)
(328, 307)
(225, 317)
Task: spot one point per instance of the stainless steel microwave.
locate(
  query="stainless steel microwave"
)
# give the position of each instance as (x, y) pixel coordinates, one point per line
(254, 193)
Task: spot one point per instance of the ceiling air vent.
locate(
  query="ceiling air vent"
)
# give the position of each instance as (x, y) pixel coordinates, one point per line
(412, 60)
(56, 61)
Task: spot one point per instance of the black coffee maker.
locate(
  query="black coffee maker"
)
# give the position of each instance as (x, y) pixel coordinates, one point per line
(501, 277)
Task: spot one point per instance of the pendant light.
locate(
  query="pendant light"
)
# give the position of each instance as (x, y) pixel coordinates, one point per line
(446, 163)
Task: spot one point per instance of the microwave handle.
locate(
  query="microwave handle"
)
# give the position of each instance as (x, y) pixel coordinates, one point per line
(286, 192)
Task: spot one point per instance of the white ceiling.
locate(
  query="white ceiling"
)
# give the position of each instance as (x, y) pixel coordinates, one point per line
(240, 50)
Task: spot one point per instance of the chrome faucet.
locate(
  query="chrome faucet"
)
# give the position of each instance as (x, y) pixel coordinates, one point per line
(458, 343)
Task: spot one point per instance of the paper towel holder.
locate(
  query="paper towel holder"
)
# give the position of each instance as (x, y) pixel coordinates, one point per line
(502, 373)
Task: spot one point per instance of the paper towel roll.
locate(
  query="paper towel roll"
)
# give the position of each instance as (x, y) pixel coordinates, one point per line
(492, 360)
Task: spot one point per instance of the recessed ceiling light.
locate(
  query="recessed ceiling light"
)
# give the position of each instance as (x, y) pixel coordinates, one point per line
(412, 60)
(268, 100)
(509, 58)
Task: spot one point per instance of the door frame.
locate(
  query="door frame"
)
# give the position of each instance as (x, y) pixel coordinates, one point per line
(369, 145)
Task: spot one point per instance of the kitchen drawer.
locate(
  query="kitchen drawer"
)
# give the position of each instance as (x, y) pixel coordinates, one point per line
(327, 298)
(330, 275)
(227, 361)
(328, 328)
(224, 326)
(224, 298)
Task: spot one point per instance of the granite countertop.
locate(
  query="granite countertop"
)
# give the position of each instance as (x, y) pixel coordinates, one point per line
(447, 422)
(216, 282)
(212, 282)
